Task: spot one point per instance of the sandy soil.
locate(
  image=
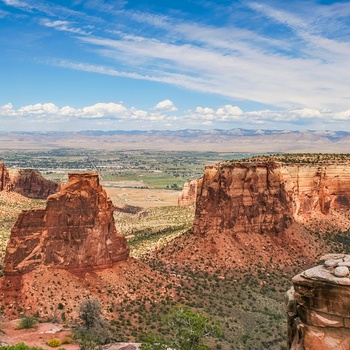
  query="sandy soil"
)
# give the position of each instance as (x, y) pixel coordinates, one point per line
(38, 336)
(145, 198)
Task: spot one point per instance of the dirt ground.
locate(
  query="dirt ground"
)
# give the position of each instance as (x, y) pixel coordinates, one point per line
(145, 198)
(44, 332)
(38, 336)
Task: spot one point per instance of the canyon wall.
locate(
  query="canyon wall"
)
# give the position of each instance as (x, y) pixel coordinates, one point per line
(267, 197)
(317, 189)
(27, 182)
(75, 231)
(31, 183)
(318, 306)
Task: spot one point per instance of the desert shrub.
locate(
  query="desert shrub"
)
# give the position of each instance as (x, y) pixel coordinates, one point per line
(27, 322)
(68, 340)
(93, 330)
(54, 343)
(187, 329)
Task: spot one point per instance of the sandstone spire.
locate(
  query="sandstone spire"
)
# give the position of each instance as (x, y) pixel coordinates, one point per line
(76, 231)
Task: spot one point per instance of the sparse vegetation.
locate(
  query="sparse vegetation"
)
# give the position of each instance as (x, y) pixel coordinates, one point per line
(186, 330)
(27, 322)
(20, 346)
(54, 343)
(248, 303)
(302, 158)
(93, 329)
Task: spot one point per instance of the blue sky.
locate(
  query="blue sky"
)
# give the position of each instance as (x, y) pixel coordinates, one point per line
(161, 64)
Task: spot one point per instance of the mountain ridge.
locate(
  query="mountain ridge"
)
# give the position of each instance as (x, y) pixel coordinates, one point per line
(240, 140)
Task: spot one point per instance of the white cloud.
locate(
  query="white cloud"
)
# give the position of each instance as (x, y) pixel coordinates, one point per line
(345, 115)
(166, 106)
(230, 114)
(103, 110)
(39, 109)
(64, 26)
(240, 71)
(227, 116)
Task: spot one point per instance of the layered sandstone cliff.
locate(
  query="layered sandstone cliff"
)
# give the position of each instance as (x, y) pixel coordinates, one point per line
(318, 306)
(75, 231)
(31, 183)
(27, 182)
(266, 197)
(189, 193)
(263, 210)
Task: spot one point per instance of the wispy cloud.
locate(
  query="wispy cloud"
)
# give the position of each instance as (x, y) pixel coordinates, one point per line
(64, 26)
(300, 67)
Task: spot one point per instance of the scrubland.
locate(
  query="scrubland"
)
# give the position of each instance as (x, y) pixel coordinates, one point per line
(248, 302)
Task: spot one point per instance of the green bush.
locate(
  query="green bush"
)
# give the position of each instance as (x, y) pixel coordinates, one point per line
(93, 330)
(27, 322)
(54, 343)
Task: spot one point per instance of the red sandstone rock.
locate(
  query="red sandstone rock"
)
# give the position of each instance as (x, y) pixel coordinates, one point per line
(261, 211)
(266, 197)
(27, 182)
(243, 198)
(31, 183)
(189, 193)
(76, 231)
(4, 177)
(318, 307)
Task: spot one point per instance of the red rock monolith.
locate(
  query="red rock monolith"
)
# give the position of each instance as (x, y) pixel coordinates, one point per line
(76, 231)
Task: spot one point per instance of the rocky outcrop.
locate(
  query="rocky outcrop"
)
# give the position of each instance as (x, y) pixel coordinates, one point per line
(266, 197)
(4, 177)
(189, 193)
(27, 182)
(69, 252)
(243, 198)
(31, 183)
(317, 189)
(76, 231)
(318, 306)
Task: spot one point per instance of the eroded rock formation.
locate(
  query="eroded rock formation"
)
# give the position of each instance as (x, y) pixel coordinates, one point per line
(69, 252)
(4, 177)
(31, 183)
(318, 306)
(75, 231)
(266, 197)
(27, 182)
(261, 211)
(189, 193)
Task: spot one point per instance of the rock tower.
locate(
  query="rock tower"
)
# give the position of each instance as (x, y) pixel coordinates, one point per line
(75, 231)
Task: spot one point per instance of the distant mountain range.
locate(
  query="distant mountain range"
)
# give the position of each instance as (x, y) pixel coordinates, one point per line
(232, 140)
